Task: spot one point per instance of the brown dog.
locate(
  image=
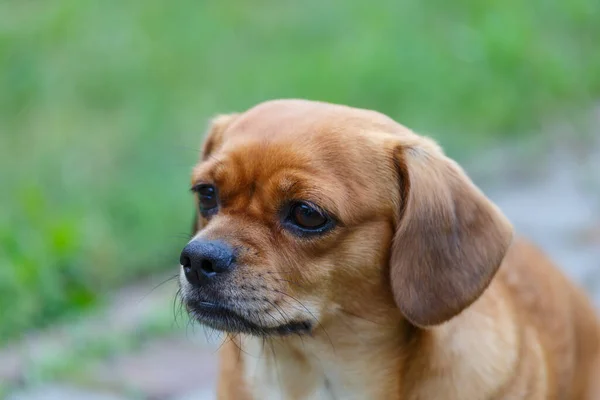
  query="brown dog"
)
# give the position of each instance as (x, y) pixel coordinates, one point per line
(348, 258)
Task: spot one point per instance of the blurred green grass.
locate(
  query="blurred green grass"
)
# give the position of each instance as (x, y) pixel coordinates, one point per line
(103, 103)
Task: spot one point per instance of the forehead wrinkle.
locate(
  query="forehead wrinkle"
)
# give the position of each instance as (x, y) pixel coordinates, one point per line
(202, 172)
(258, 160)
(271, 171)
(299, 184)
(212, 171)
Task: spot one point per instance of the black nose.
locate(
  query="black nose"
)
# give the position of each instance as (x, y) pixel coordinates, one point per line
(205, 259)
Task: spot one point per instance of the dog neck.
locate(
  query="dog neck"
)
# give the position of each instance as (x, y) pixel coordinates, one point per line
(383, 356)
(345, 357)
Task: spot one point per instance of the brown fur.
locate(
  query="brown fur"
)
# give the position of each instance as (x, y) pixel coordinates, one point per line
(419, 292)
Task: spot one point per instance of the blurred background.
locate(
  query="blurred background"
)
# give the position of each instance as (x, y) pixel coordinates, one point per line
(103, 105)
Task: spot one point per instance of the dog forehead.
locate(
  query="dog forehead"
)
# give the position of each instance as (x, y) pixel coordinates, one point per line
(335, 152)
(316, 137)
(281, 119)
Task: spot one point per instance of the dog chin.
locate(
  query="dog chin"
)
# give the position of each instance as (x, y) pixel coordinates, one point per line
(226, 320)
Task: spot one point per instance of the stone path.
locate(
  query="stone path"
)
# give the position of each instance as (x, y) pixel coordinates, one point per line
(556, 204)
(558, 207)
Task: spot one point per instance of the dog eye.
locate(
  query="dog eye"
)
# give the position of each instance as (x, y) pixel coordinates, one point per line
(207, 198)
(307, 217)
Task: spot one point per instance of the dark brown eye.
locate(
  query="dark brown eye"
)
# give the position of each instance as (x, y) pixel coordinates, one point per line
(207, 198)
(307, 217)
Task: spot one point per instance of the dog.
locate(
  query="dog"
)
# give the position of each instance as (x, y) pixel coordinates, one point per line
(346, 257)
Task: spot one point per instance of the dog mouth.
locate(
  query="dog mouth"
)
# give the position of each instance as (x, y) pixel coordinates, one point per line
(225, 319)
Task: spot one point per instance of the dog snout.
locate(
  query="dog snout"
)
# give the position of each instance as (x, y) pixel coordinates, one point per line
(202, 260)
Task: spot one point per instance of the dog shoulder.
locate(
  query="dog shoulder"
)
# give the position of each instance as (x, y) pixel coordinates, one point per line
(559, 313)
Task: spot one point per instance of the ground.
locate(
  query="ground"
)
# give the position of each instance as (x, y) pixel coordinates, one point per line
(134, 348)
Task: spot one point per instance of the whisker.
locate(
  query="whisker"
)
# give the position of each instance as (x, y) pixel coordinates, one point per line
(186, 147)
(181, 235)
(359, 317)
(239, 346)
(226, 339)
(276, 365)
(181, 307)
(177, 297)
(157, 286)
(315, 318)
(285, 321)
(187, 327)
(206, 336)
(273, 319)
(262, 347)
(292, 282)
(258, 360)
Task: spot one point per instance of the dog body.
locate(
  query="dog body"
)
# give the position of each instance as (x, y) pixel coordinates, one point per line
(531, 335)
(347, 258)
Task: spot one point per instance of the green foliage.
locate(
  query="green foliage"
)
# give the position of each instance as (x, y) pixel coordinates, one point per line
(103, 103)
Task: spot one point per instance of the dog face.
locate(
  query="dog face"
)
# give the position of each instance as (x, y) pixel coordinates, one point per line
(307, 210)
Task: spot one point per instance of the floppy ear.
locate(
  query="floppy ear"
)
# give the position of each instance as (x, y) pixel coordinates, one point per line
(450, 238)
(212, 141)
(214, 136)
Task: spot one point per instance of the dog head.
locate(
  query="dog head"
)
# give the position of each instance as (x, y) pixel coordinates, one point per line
(309, 209)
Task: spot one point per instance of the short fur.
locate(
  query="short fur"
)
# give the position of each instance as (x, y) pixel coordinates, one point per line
(419, 292)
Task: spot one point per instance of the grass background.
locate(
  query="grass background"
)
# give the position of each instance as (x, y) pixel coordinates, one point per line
(103, 104)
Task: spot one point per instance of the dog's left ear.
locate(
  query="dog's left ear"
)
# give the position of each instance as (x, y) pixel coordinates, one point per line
(213, 139)
(450, 238)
